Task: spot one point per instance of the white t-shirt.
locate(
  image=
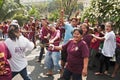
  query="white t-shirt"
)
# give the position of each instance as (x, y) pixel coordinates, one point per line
(109, 44)
(17, 49)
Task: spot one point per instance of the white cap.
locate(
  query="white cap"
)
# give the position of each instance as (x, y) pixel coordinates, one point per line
(14, 21)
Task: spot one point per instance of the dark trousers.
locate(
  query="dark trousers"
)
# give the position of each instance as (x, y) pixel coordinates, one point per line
(42, 50)
(41, 53)
(23, 73)
(67, 75)
(104, 61)
(64, 55)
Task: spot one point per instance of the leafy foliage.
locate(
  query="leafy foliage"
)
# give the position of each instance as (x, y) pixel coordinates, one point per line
(69, 6)
(104, 10)
(33, 12)
(21, 19)
(8, 8)
(54, 16)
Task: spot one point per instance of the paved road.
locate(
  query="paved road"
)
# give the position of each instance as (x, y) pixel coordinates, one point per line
(37, 70)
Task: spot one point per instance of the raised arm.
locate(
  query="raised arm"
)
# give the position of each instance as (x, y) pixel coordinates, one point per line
(77, 13)
(100, 38)
(61, 17)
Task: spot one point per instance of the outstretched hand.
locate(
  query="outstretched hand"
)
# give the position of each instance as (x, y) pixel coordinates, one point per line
(51, 47)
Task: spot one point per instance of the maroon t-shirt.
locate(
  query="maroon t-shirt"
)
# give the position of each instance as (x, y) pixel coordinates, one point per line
(31, 29)
(5, 29)
(96, 43)
(87, 38)
(118, 41)
(76, 54)
(44, 32)
(5, 71)
(62, 31)
(57, 41)
(26, 34)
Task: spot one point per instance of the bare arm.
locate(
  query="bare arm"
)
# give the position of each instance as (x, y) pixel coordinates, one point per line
(85, 66)
(52, 47)
(56, 37)
(58, 47)
(100, 38)
(77, 13)
(61, 17)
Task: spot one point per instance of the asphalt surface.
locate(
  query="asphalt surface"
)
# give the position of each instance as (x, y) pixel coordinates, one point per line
(36, 70)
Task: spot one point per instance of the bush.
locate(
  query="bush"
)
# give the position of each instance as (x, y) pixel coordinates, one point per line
(21, 19)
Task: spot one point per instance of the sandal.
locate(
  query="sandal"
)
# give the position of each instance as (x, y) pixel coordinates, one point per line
(48, 74)
(98, 73)
(106, 73)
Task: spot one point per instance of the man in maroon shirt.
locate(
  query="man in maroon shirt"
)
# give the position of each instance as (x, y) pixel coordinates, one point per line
(31, 25)
(5, 30)
(45, 33)
(52, 57)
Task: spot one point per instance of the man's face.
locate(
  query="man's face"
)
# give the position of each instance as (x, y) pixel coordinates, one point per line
(31, 19)
(86, 21)
(108, 27)
(37, 21)
(74, 23)
(44, 23)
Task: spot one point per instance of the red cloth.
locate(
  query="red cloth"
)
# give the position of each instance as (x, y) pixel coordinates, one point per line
(96, 43)
(118, 41)
(5, 29)
(5, 71)
(44, 32)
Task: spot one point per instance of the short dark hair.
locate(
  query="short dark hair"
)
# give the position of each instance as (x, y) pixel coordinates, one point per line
(74, 19)
(119, 33)
(11, 31)
(102, 26)
(79, 30)
(5, 22)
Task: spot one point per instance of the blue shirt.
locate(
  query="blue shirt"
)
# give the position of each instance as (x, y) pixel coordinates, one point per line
(68, 32)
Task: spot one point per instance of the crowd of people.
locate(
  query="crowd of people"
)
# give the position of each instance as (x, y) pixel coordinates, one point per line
(77, 45)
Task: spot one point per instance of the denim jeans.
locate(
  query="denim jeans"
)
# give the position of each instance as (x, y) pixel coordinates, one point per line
(68, 74)
(23, 73)
(52, 60)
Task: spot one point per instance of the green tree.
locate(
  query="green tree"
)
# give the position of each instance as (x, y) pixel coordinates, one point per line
(53, 16)
(21, 19)
(69, 6)
(104, 10)
(8, 8)
(1, 3)
(34, 12)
